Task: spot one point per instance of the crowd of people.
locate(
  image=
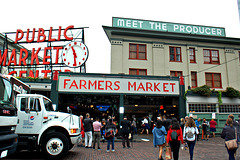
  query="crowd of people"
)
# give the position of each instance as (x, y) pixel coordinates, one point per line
(187, 132)
(167, 133)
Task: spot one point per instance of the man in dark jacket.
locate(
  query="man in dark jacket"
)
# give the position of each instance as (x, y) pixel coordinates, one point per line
(88, 131)
(126, 127)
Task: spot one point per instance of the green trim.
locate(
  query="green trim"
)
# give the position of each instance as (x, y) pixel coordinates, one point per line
(167, 35)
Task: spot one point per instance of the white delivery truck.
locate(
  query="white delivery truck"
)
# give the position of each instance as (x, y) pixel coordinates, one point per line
(9, 87)
(41, 128)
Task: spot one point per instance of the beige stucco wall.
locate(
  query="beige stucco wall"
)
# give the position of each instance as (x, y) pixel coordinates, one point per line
(158, 64)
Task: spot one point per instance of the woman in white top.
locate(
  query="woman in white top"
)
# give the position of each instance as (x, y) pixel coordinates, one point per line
(189, 134)
(145, 125)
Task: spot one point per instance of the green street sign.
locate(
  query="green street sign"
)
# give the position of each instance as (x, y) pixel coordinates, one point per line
(167, 27)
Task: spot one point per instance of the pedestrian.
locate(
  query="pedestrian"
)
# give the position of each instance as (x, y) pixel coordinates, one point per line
(88, 131)
(111, 127)
(134, 126)
(103, 129)
(205, 126)
(82, 132)
(159, 140)
(189, 134)
(175, 137)
(182, 123)
(198, 124)
(167, 122)
(238, 128)
(235, 123)
(126, 128)
(97, 133)
(228, 133)
(186, 118)
(213, 127)
(145, 125)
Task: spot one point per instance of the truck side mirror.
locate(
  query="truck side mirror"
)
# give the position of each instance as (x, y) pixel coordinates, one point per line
(27, 110)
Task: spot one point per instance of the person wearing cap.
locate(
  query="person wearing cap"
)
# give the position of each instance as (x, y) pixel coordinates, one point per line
(126, 127)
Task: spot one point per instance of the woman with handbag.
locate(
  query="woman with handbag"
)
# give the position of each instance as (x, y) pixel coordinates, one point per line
(190, 134)
(158, 137)
(229, 134)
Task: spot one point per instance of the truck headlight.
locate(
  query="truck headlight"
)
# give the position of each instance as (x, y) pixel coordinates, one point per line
(74, 130)
(13, 128)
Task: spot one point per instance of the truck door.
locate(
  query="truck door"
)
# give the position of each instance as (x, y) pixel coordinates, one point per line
(30, 115)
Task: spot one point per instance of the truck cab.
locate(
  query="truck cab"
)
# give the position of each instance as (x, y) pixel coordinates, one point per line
(8, 118)
(41, 128)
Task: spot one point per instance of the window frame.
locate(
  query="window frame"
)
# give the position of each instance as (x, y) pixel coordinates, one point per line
(194, 55)
(194, 79)
(176, 73)
(137, 51)
(138, 69)
(175, 54)
(210, 57)
(239, 56)
(212, 75)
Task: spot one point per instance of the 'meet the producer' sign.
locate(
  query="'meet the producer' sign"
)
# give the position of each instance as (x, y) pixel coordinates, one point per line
(167, 27)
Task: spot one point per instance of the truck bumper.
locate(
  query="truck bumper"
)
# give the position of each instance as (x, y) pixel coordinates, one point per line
(75, 138)
(8, 144)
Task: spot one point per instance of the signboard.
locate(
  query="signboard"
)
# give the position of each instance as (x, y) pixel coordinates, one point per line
(117, 85)
(73, 54)
(213, 115)
(167, 27)
(103, 107)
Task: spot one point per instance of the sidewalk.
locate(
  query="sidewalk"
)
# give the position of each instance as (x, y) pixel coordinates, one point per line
(142, 149)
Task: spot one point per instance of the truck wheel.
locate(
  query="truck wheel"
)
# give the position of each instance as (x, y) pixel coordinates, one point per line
(55, 145)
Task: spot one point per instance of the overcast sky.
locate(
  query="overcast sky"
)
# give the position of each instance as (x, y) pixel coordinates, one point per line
(24, 14)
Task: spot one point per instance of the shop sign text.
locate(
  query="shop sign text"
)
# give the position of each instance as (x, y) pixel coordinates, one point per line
(168, 27)
(120, 85)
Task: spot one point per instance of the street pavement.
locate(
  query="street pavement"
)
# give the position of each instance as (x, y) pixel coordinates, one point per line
(141, 149)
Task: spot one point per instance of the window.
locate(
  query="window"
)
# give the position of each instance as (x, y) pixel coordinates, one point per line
(35, 104)
(142, 72)
(194, 79)
(228, 108)
(137, 51)
(176, 73)
(175, 54)
(202, 108)
(48, 104)
(192, 55)
(211, 56)
(239, 56)
(24, 104)
(213, 80)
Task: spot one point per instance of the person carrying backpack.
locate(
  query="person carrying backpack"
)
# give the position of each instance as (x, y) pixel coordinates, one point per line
(175, 137)
(189, 134)
(110, 129)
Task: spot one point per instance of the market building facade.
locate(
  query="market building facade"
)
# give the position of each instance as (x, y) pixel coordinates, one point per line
(203, 55)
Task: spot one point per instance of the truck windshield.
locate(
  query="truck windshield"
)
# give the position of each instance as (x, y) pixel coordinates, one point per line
(5, 91)
(48, 104)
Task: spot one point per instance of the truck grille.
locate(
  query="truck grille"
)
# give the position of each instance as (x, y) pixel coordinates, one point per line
(6, 143)
(5, 130)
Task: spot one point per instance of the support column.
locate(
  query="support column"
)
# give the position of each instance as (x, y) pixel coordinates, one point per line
(54, 93)
(121, 114)
(181, 101)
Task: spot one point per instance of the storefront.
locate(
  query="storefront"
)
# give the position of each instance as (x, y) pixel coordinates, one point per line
(119, 95)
